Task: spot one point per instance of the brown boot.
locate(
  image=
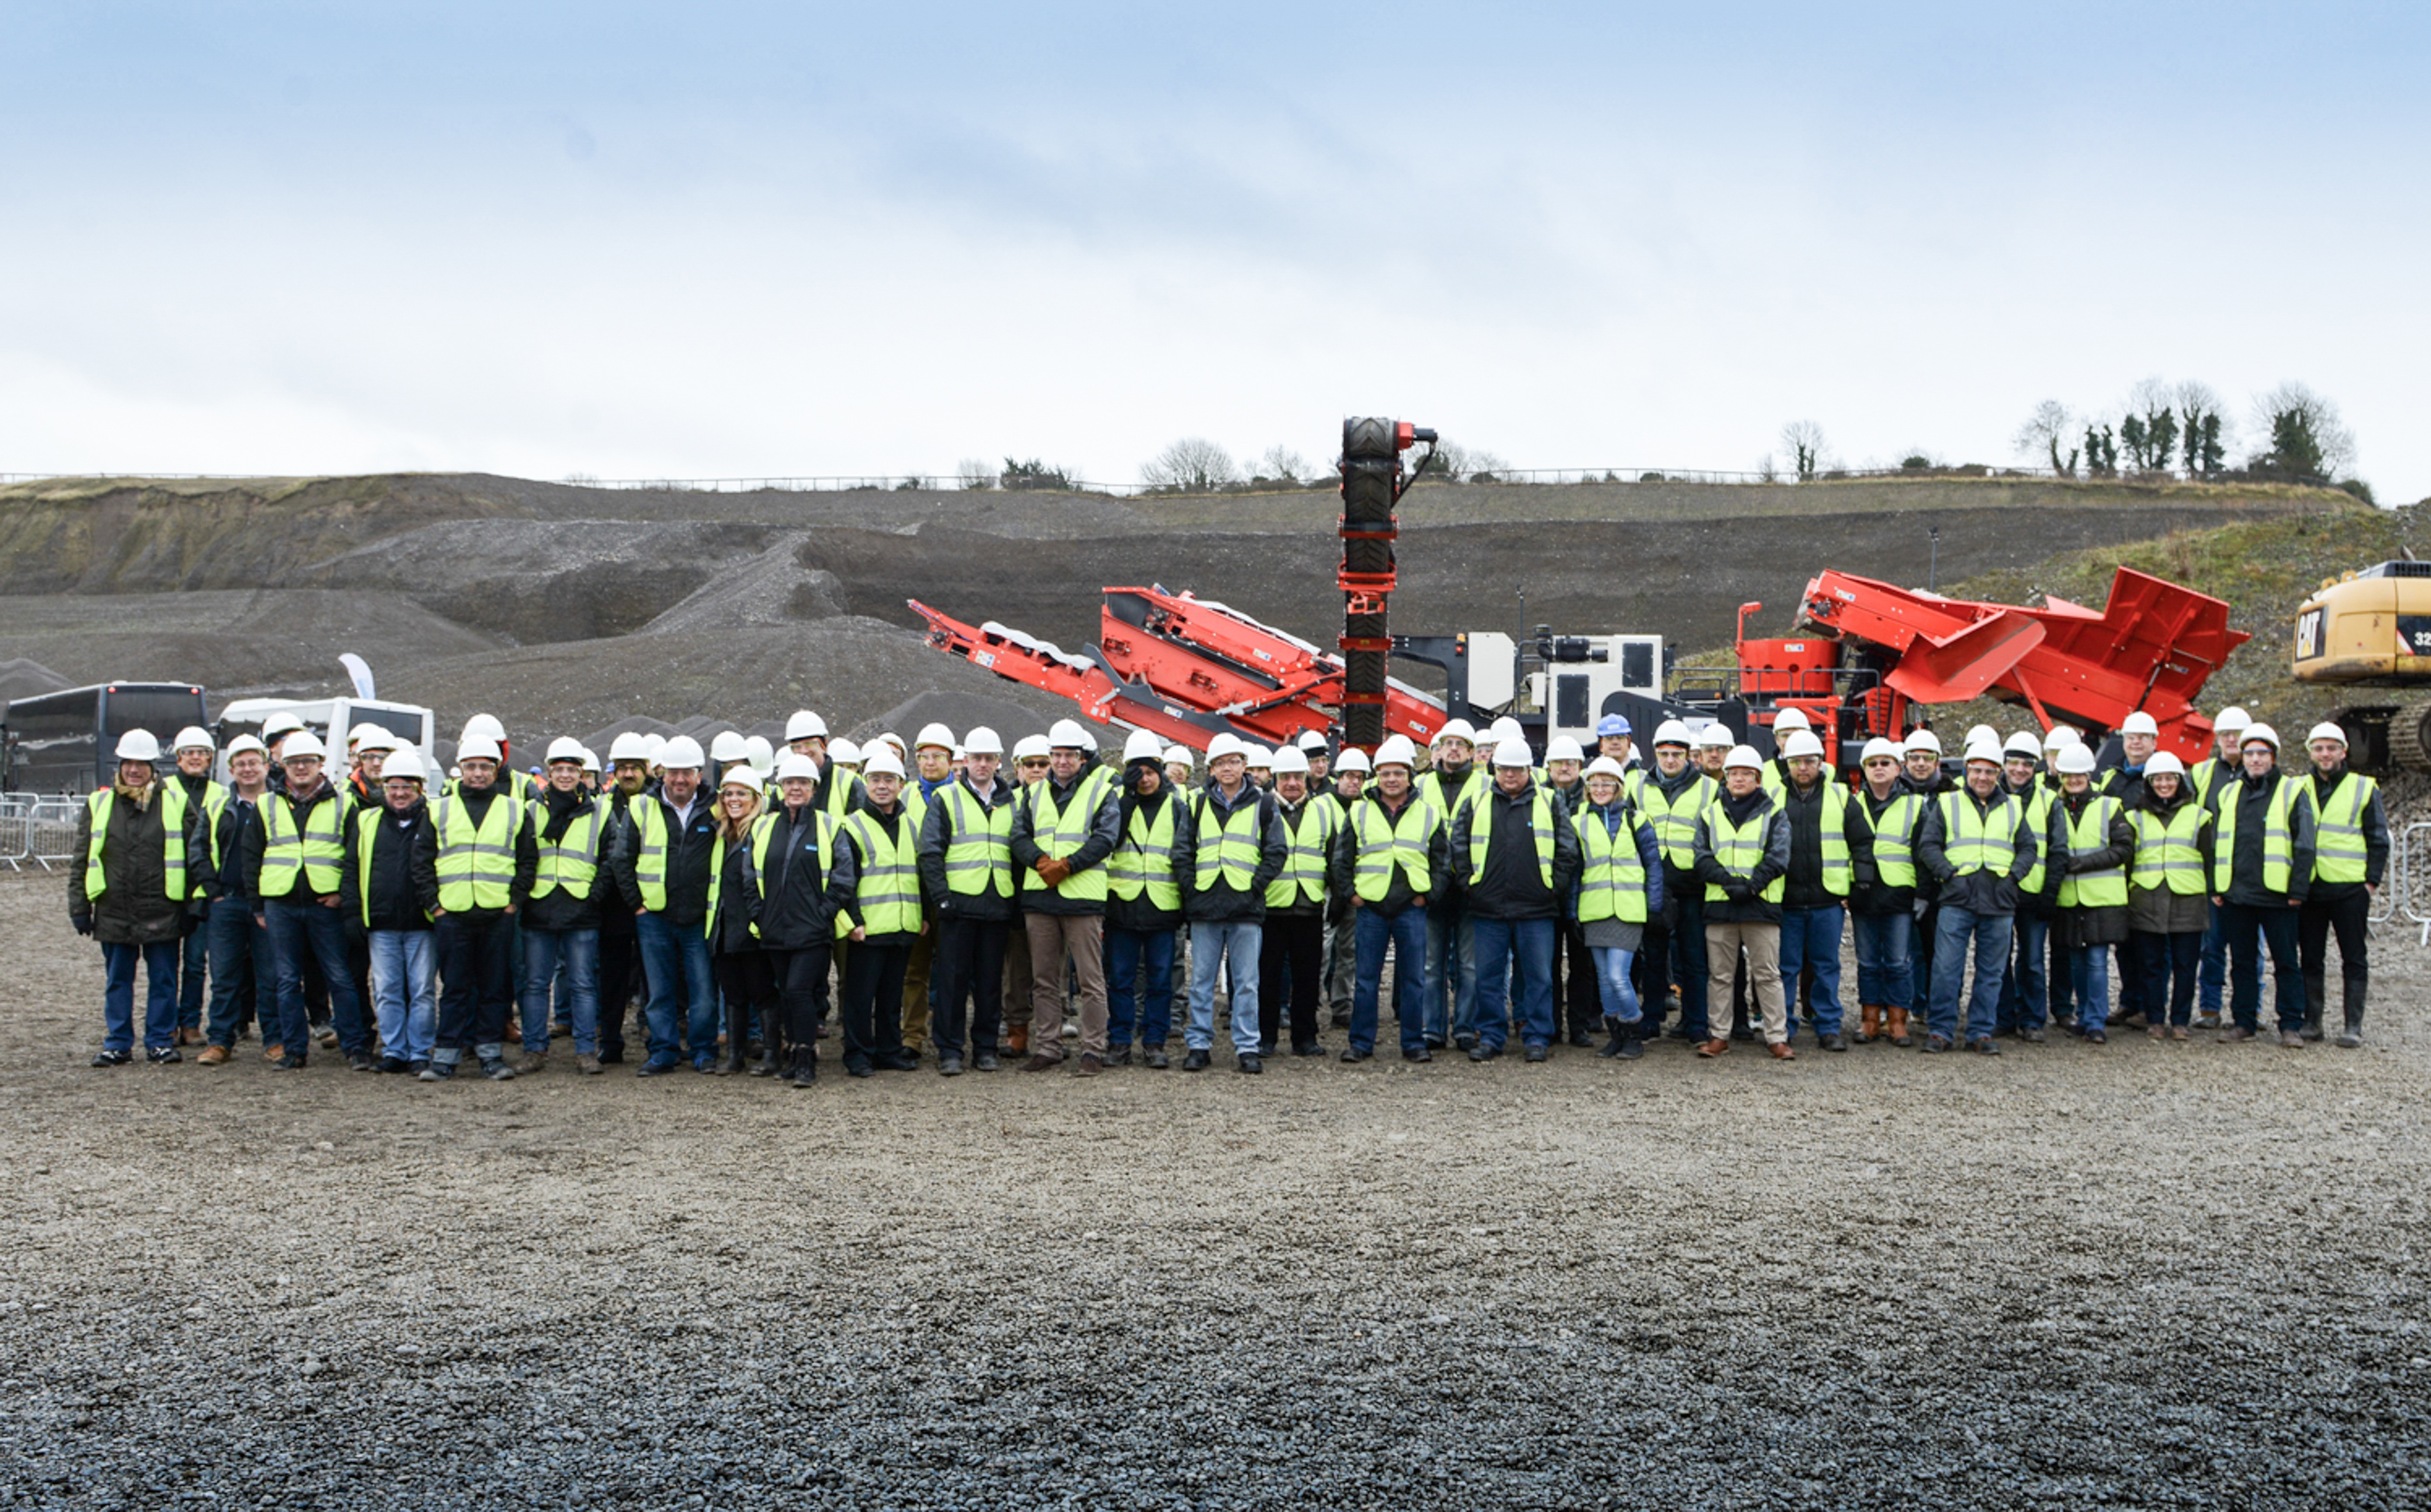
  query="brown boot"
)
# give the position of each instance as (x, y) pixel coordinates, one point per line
(1016, 1040)
(1869, 1022)
(216, 1056)
(1898, 1026)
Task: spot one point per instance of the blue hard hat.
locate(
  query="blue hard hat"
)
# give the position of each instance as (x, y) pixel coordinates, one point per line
(1612, 725)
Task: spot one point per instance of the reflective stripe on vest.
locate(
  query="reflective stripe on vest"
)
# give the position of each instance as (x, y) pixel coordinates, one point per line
(1383, 846)
(823, 830)
(980, 855)
(1430, 791)
(1540, 823)
(1234, 854)
(1739, 848)
(1895, 840)
(2039, 812)
(215, 801)
(1613, 886)
(2339, 854)
(1143, 859)
(1675, 818)
(2089, 830)
(317, 849)
(476, 862)
(650, 852)
(1060, 834)
(573, 861)
(888, 895)
(1839, 874)
(2278, 845)
(2169, 855)
(367, 822)
(1305, 852)
(173, 841)
(1973, 840)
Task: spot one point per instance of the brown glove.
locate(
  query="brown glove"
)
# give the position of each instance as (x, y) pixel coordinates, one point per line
(1052, 871)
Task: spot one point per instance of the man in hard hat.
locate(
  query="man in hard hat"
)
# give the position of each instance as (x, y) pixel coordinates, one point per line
(1578, 999)
(2350, 858)
(1920, 773)
(1518, 859)
(968, 876)
(388, 889)
(1613, 735)
(2031, 994)
(1882, 911)
(1143, 905)
(559, 921)
(486, 863)
(1291, 941)
(1453, 778)
(931, 771)
(803, 872)
(1673, 947)
(1389, 860)
(1788, 722)
(2139, 736)
(2221, 767)
(1179, 767)
(1320, 759)
(1742, 850)
(291, 866)
(2089, 844)
(194, 750)
(2168, 901)
(1351, 773)
(2262, 870)
(275, 733)
(885, 916)
(144, 865)
(245, 975)
(1063, 830)
(1980, 850)
(621, 979)
(370, 746)
(662, 868)
(1831, 854)
(1235, 849)
(1710, 747)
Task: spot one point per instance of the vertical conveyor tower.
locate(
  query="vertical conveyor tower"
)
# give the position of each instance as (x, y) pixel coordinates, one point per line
(1372, 483)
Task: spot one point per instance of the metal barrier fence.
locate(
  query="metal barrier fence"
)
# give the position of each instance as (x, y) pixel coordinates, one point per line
(16, 829)
(2409, 893)
(50, 832)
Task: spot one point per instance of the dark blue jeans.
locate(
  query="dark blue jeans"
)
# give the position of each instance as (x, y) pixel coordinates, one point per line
(2213, 975)
(1688, 964)
(195, 955)
(2276, 926)
(1128, 953)
(1886, 968)
(1517, 951)
(565, 963)
(2026, 990)
(682, 1012)
(2170, 962)
(301, 929)
(160, 961)
(476, 976)
(1954, 931)
(1810, 938)
(244, 974)
(1406, 933)
(2088, 970)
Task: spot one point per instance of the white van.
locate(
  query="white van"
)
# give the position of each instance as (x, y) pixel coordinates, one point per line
(330, 719)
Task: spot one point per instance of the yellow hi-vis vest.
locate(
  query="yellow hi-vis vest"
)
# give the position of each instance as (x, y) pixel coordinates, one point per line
(2089, 830)
(887, 899)
(1740, 849)
(1383, 846)
(1895, 839)
(366, 820)
(1974, 841)
(980, 855)
(1061, 833)
(572, 860)
(1613, 886)
(2278, 839)
(2169, 855)
(1480, 833)
(650, 851)
(1305, 852)
(2339, 851)
(1675, 818)
(476, 863)
(1229, 850)
(2039, 804)
(1430, 789)
(2206, 777)
(215, 800)
(1840, 875)
(765, 825)
(1143, 858)
(172, 840)
(318, 849)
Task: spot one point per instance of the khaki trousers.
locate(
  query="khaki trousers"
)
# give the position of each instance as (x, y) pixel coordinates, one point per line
(1763, 944)
(1051, 936)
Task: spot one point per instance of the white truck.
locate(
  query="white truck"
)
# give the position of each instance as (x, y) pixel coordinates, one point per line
(331, 719)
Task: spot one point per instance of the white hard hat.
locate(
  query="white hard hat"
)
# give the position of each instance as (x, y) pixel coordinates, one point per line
(1068, 734)
(565, 748)
(302, 743)
(405, 762)
(192, 736)
(1182, 754)
(1743, 756)
(479, 748)
(1514, 753)
(1670, 733)
(882, 763)
(1455, 729)
(1983, 751)
(2164, 764)
(2025, 745)
(1351, 759)
(1143, 746)
(1260, 758)
(1789, 719)
(654, 747)
(727, 745)
(281, 723)
(794, 763)
(1715, 736)
(1802, 742)
(757, 750)
(933, 734)
(961, 755)
(2259, 731)
(1977, 734)
(590, 760)
(1030, 748)
(2320, 731)
(1921, 740)
(2139, 723)
(682, 751)
(1290, 760)
(891, 738)
(1563, 748)
(1606, 766)
(355, 736)
(1310, 741)
(803, 724)
(483, 726)
(1503, 728)
(371, 737)
(2061, 735)
(1397, 751)
(743, 775)
(1880, 748)
(981, 741)
(844, 753)
(139, 745)
(1224, 745)
(246, 743)
(2230, 718)
(632, 745)
(2076, 759)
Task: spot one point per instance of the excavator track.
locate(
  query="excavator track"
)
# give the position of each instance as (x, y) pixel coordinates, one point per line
(2409, 743)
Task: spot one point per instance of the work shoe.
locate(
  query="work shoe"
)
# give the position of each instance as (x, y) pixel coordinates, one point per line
(612, 1057)
(1582, 1039)
(394, 1065)
(2288, 1040)
(2181, 1031)
(2235, 1033)
(1536, 1053)
(2097, 1036)
(1016, 1039)
(1985, 1045)
(212, 1055)
(532, 1063)
(1421, 1055)
(1870, 1022)
(1353, 1055)
(2206, 1020)
(1937, 1044)
(1898, 1030)
(1713, 1049)
(289, 1063)
(1464, 1042)
(329, 1036)
(949, 1066)
(1833, 1041)
(986, 1061)
(705, 1062)
(587, 1064)
(415, 1068)
(658, 1065)
(1197, 1060)
(1781, 1052)
(361, 1063)
(111, 1057)
(1482, 1053)
(1041, 1062)
(1156, 1059)
(1119, 1056)
(2032, 1034)
(1436, 1042)
(1341, 1015)
(2350, 1037)
(805, 1069)
(1087, 1064)
(274, 1052)
(856, 1066)
(902, 1060)
(436, 1070)
(164, 1055)
(494, 1069)
(1248, 1066)
(1308, 1048)
(2157, 1032)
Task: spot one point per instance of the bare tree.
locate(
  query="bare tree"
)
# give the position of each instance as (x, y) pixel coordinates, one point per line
(1282, 464)
(1457, 464)
(1193, 464)
(2307, 438)
(1804, 440)
(1767, 469)
(975, 473)
(2042, 433)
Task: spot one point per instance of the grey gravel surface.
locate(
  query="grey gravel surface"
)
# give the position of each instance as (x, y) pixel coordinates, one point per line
(2150, 1276)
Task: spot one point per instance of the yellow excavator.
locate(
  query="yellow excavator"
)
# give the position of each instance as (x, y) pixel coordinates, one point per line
(2373, 627)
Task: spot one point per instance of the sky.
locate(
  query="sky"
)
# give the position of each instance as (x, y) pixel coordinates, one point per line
(733, 240)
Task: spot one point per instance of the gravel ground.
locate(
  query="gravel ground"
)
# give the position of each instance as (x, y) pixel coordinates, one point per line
(2150, 1276)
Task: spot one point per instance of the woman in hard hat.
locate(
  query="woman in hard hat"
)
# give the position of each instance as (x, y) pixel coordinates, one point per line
(193, 750)
(745, 977)
(1619, 888)
(2090, 845)
(2167, 908)
(143, 859)
(388, 889)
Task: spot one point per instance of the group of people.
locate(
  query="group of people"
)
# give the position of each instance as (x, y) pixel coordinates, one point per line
(952, 906)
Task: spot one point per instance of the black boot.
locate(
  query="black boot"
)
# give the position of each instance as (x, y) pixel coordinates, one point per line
(774, 1059)
(1632, 1042)
(2316, 999)
(2353, 1035)
(805, 1069)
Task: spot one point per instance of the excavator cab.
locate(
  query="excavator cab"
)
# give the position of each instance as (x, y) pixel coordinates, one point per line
(2373, 626)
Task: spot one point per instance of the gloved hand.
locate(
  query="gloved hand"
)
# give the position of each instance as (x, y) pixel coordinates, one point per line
(83, 922)
(1052, 871)
(1737, 891)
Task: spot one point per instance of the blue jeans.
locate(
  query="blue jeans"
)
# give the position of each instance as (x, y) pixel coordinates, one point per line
(2088, 972)
(1452, 967)
(1810, 940)
(243, 975)
(1406, 933)
(194, 954)
(298, 929)
(160, 960)
(2025, 989)
(1886, 970)
(2275, 925)
(2212, 976)
(1689, 967)
(1211, 946)
(405, 992)
(1953, 933)
(1613, 985)
(1127, 1003)
(578, 952)
(682, 983)
(1519, 950)
(2170, 963)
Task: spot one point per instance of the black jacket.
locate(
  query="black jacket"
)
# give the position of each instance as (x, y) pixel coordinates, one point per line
(256, 839)
(405, 870)
(1509, 886)
(893, 824)
(937, 833)
(135, 907)
(2080, 924)
(1871, 897)
(507, 788)
(1139, 913)
(801, 889)
(1803, 883)
(558, 909)
(1399, 894)
(1093, 852)
(2251, 795)
(1220, 902)
(2374, 821)
(237, 817)
(688, 851)
(1982, 891)
(736, 901)
(1751, 906)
